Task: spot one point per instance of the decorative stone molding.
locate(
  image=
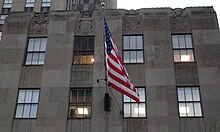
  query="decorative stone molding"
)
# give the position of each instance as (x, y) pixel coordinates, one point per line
(39, 23)
(132, 20)
(179, 20)
(85, 23)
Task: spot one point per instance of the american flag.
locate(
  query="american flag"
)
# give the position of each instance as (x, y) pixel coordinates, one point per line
(117, 76)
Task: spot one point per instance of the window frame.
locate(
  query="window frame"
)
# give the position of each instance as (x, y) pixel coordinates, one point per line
(7, 2)
(132, 50)
(192, 102)
(31, 52)
(80, 104)
(80, 52)
(179, 49)
(133, 102)
(15, 112)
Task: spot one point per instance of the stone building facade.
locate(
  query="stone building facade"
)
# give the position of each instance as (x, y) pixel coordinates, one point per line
(52, 68)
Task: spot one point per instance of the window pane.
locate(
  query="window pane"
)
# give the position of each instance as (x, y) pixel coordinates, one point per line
(134, 110)
(190, 54)
(190, 109)
(176, 55)
(126, 42)
(43, 44)
(127, 110)
(126, 99)
(140, 57)
(29, 59)
(181, 96)
(132, 42)
(182, 41)
(133, 56)
(35, 58)
(88, 97)
(26, 113)
(182, 109)
(28, 96)
(19, 111)
(183, 56)
(142, 110)
(37, 44)
(139, 42)
(31, 45)
(35, 96)
(175, 41)
(197, 108)
(41, 58)
(141, 92)
(73, 111)
(188, 41)
(33, 113)
(126, 57)
(73, 96)
(196, 96)
(80, 96)
(188, 94)
(87, 111)
(21, 96)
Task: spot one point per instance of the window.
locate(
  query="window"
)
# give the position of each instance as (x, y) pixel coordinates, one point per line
(133, 109)
(0, 36)
(83, 50)
(29, 5)
(36, 51)
(183, 48)
(45, 6)
(133, 51)
(7, 4)
(80, 103)
(189, 102)
(27, 103)
(2, 19)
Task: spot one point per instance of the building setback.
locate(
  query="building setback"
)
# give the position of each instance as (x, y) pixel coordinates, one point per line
(52, 74)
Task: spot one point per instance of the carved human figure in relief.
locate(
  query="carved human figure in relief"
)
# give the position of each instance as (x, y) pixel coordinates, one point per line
(179, 19)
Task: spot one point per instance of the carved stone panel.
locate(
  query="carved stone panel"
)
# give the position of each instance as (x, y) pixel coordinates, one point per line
(179, 20)
(85, 23)
(132, 21)
(39, 23)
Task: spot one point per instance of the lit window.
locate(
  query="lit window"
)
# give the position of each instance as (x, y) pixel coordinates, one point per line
(80, 103)
(36, 51)
(183, 48)
(133, 109)
(189, 102)
(27, 103)
(83, 50)
(45, 5)
(29, 5)
(133, 51)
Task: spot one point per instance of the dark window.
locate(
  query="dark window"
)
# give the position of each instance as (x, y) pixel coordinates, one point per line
(133, 109)
(27, 103)
(36, 51)
(80, 103)
(133, 50)
(189, 102)
(183, 48)
(83, 50)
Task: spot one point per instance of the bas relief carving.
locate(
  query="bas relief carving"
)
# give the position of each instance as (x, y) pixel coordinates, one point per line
(179, 20)
(132, 20)
(85, 24)
(39, 23)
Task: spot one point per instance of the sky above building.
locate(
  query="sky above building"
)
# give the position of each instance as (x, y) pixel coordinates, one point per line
(137, 4)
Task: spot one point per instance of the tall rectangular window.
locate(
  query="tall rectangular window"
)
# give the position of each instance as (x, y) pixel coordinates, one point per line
(80, 103)
(6, 7)
(36, 51)
(83, 50)
(133, 109)
(189, 102)
(133, 49)
(27, 103)
(0, 36)
(29, 5)
(183, 48)
(45, 5)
